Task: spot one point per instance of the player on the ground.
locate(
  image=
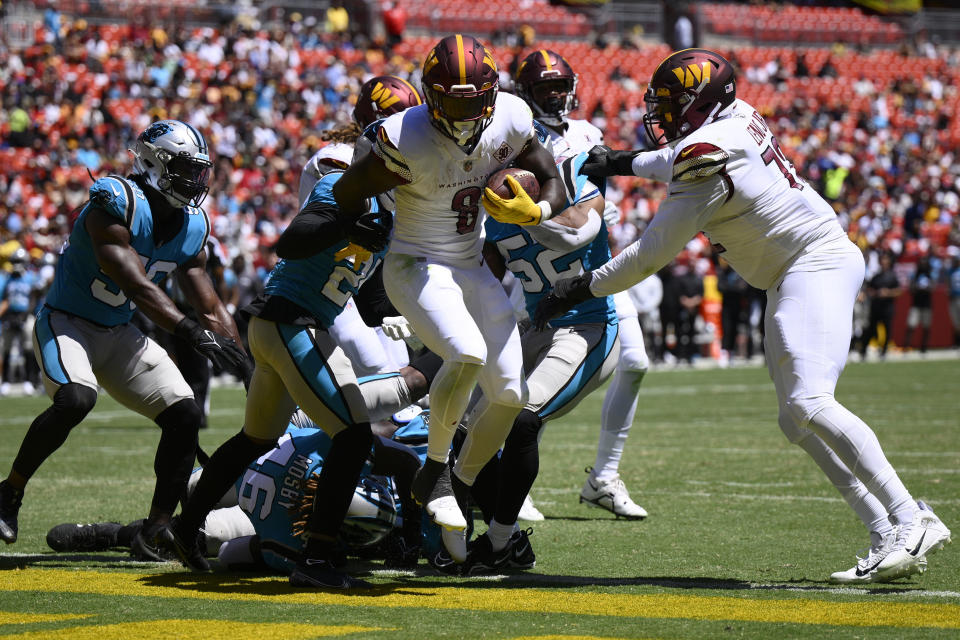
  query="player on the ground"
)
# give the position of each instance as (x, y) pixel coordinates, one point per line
(729, 178)
(298, 364)
(573, 356)
(130, 235)
(437, 158)
(548, 84)
(369, 352)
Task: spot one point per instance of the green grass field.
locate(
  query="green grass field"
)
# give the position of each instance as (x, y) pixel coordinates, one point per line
(743, 532)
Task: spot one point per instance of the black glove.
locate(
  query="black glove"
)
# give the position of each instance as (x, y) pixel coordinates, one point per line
(603, 161)
(371, 231)
(223, 352)
(567, 293)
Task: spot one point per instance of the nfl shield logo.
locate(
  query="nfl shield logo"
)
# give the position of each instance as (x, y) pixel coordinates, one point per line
(503, 153)
(468, 165)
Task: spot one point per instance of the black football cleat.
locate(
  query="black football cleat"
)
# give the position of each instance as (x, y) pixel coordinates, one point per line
(320, 573)
(143, 549)
(97, 536)
(521, 552)
(481, 558)
(400, 554)
(165, 537)
(10, 501)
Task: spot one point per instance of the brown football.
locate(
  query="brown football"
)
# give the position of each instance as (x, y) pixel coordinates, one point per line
(498, 183)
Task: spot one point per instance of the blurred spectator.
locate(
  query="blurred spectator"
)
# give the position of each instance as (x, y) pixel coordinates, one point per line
(735, 309)
(680, 308)
(953, 288)
(394, 22)
(921, 287)
(17, 301)
(338, 20)
(882, 291)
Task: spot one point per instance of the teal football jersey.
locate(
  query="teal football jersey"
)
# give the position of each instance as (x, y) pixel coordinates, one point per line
(81, 288)
(538, 268)
(321, 284)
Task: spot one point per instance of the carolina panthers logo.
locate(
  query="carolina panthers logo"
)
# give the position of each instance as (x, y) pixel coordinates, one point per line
(154, 131)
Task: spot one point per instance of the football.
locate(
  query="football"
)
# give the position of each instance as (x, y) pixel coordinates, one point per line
(498, 183)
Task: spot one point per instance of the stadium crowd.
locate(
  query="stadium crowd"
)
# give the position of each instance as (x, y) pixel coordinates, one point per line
(72, 100)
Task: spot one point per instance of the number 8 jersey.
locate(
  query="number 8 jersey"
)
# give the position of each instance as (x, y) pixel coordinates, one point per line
(79, 286)
(438, 212)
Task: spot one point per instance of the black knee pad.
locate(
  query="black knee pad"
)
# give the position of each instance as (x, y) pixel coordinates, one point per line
(74, 401)
(526, 428)
(355, 438)
(428, 363)
(183, 416)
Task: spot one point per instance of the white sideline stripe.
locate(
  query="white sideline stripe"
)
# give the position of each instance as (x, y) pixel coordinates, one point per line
(743, 484)
(767, 452)
(106, 416)
(539, 491)
(856, 591)
(692, 390)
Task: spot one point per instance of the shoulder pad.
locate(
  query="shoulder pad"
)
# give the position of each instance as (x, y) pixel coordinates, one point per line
(391, 155)
(699, 160)
(114, 195)
(370, 133)
(542, 134)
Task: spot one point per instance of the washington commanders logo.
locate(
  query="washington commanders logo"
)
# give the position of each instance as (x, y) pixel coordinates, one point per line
(693, 73)
(383, 97)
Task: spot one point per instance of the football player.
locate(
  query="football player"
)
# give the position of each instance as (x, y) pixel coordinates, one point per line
(573, 356)
(298, 364)
(437, 158)
(381, 96)
(131, 234)
(259, 522)
(548, 84)
(729, 178)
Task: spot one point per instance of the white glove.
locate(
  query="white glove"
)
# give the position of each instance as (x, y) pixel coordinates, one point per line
(611, 214)
(397, 328)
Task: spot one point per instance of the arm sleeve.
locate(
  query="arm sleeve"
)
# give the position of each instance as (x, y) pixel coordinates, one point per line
(372, 301)
(556, 236)
(316, 227)
(654, 165)
(678, 219)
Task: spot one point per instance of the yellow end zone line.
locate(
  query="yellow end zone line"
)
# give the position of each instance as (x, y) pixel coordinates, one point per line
(206, 629)
(482, 598)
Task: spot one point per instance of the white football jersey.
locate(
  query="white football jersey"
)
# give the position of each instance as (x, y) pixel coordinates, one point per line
(336, 156)
(575, 136)
(438, 211)
(730, 180)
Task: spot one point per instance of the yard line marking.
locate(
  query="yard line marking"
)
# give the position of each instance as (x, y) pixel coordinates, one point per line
(878, 613)
(107, 416)
(15, 617)
(206, 629)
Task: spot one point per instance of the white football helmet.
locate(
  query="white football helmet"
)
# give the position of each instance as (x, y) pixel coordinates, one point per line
(173, 158)
(371, 516)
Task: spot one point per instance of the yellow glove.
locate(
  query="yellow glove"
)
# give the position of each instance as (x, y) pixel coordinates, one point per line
(360, 255)
(520, 209)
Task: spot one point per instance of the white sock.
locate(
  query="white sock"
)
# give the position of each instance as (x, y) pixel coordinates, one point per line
(857, 445)
(616, 418)
(871, 513)
(499, 534)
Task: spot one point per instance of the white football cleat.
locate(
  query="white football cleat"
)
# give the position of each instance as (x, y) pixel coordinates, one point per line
(529, 512)
(455, 542)
(611, 495)
(923, 535)
(446, 512)
(866, 569)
